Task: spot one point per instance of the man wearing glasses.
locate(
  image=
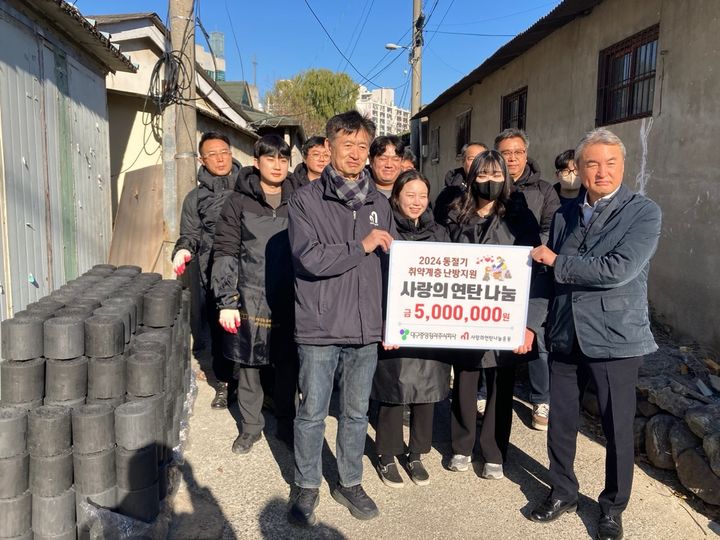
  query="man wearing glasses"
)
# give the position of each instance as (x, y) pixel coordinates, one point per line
(315, 158)
(386, 155)
(201, 208)
(543, 202)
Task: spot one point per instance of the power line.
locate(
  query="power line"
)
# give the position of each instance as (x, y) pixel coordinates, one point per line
(469, 23)
(450, 5)
(232, 28)
(357, 39)
(469, 34)
(363, 77)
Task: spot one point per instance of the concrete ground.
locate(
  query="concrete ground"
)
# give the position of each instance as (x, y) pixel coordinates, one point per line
(225, 496)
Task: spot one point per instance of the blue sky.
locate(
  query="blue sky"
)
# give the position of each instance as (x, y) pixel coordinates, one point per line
(285, 38)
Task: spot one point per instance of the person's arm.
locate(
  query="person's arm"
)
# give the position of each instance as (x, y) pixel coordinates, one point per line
(617, 267)
(316, 259)
(190, 232)
(225, 266)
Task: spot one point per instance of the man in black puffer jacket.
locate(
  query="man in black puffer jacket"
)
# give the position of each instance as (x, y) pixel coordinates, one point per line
(542, 200)
(201, 207)
(252, 279)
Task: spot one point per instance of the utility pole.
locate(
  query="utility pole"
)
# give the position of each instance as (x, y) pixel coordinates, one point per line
(179, 127)
(416, 81)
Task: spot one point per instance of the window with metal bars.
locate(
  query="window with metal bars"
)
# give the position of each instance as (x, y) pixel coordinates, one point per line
(626, 78)
(514, 109)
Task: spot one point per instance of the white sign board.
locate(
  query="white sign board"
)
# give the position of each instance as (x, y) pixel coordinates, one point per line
(458, 296)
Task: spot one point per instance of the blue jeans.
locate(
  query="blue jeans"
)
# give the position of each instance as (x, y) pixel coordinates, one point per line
(356, 367)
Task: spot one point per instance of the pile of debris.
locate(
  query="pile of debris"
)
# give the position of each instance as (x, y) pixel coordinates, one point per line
(677, 422)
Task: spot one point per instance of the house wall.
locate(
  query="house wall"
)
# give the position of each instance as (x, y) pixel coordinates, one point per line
(54, 169)
(561, 73)
(133, 145)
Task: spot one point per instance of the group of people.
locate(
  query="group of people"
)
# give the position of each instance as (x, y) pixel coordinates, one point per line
(294, 267)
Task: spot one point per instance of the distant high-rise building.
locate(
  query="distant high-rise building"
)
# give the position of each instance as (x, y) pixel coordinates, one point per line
(380, 106)
(215, 67)
(217, 42)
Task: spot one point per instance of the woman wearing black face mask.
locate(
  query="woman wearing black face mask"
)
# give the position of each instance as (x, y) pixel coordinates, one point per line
(487, 215)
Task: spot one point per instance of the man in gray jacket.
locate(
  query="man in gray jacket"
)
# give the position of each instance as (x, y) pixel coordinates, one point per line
(340, 228)
(598, 326)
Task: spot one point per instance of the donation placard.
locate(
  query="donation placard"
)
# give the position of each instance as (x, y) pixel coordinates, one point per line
(457, 296)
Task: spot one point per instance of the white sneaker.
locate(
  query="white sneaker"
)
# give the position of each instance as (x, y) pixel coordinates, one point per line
(459, 463)
(540, 416)
(493, 471)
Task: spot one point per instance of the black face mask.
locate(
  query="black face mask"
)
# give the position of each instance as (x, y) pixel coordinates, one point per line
(489, 191)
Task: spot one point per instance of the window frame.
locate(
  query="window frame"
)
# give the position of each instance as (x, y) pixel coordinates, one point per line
(505, 119)
(463, 121)
(435, 145)
(607, 89)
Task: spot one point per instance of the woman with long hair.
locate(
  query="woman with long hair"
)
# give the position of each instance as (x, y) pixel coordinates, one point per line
(417, 378)
(487, 214)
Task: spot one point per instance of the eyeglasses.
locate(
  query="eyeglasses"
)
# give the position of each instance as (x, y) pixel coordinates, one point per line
(513, 153)
(215, 155)
(566, 172)
(319, 155)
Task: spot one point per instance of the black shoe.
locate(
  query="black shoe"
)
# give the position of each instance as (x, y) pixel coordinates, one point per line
(610, 528)
(244, 443)
(302, 511)
(220, 401)
(356, 500)
(390, 475)
(551, 509)
(418, 472)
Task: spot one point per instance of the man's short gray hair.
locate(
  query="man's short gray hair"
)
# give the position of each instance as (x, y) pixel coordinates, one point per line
(465, 147)
(598, 136)
(512, 133)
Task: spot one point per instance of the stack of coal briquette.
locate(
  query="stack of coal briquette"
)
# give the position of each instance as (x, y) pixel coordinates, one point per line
(93, 385)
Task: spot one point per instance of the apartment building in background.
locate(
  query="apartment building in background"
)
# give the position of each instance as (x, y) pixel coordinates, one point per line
(380, 106)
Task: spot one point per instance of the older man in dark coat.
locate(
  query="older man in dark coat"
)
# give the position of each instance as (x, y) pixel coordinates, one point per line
(598, 326)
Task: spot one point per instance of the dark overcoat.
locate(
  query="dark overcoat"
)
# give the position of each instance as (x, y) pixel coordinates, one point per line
(408, 374)
(252, 270)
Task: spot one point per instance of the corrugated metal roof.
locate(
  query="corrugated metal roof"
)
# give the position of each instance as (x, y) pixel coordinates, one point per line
(67, 19)
(565, 12)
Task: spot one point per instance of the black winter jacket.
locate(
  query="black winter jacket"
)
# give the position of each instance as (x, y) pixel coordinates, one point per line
(408, 374)
(455, 177)
(539, 196)
(516, 228)
(200, 211)
(338, 287)
(299, 177)
(252, 270)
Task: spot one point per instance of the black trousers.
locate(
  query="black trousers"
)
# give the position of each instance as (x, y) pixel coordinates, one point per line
(497, 421)
(389, 432)
(279, 380)
(615, 381)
